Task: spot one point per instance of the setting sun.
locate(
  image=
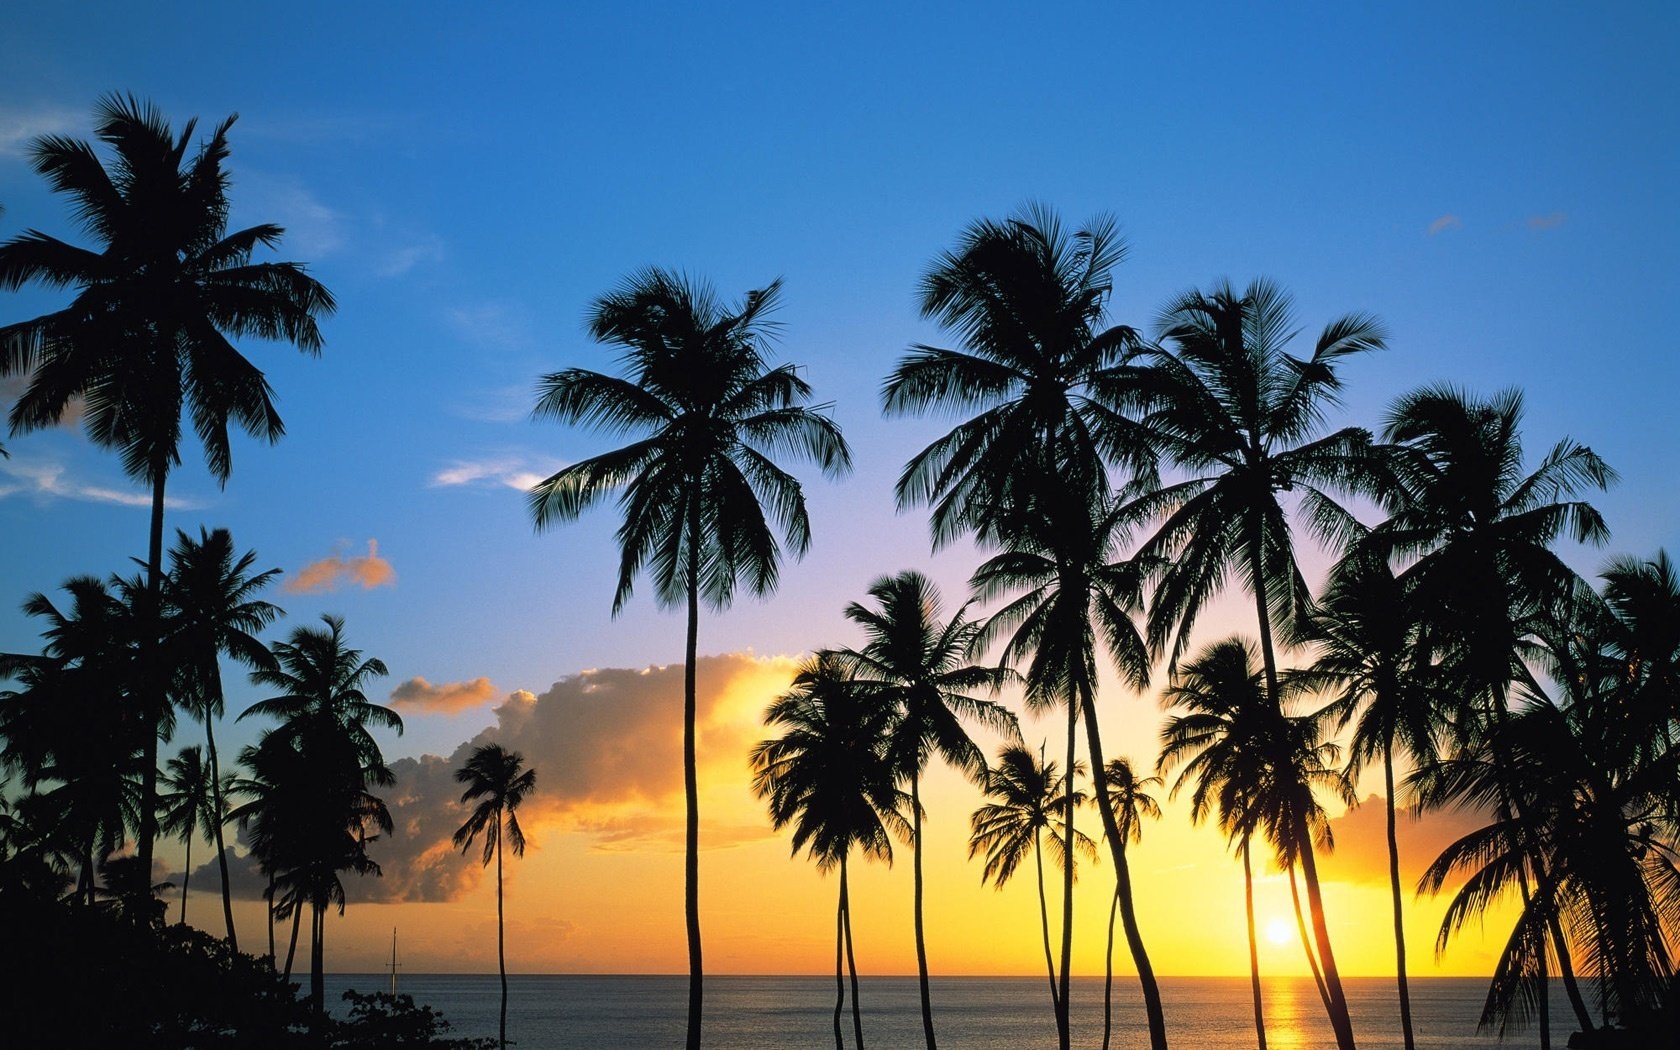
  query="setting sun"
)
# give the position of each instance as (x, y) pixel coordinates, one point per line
(1278, 931)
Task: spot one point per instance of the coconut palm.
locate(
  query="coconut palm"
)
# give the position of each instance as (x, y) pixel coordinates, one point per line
(187, 807)
(1129, 798)
(916, 662)
(698, 480)
(211, 596)
(1027, 788)
(829, 775)
(323, 741)
(1028, 303)
(148, 334)
(497, 777)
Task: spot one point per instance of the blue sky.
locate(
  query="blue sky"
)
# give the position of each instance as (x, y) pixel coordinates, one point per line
(1500, 183)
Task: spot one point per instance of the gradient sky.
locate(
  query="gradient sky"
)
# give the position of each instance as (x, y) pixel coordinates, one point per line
(1500, 183)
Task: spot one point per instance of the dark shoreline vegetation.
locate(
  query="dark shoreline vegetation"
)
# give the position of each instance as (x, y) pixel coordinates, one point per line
(1115, 482)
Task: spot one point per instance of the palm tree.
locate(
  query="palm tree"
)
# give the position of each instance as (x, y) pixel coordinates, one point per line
(1366, 634)
(188, 806)
(324, 736)
(1477, 534)
(915, 661)
(211, 595)
(1129, 798)
(829, 775)
(1038, 365)
(148, 332)
(498, 777)
(698, 480)
(1026, 788)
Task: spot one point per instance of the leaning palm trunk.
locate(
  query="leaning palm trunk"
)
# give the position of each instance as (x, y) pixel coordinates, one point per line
(501, 940)
(1253, 948)
(921, 939)
(1123, 877)
(691, 790)
(839, 958)
(1394, 884)
(1339, 1019)
(291, 949)
(151, 680)
(1063, 1026)
(318, 958)
(216, 800)
(1044, 925)
(1306, 939)
(1108, 971)
(851, 954)
(186, 878)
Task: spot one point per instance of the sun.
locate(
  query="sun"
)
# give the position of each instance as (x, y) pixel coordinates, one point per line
(1278, 931)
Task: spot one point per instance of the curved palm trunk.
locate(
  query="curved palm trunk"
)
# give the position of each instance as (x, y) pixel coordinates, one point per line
(691, 792)
(1339, 1019)
(291, 949)
(268, 906)
(1253, 949)
(186, 878)
(152, 689)
(1063, 1026)
(317, 959)
(216, 800)
(1108, 971)
(839, 952)
(1306, 941)
(501, 936)
(1044, 926)
(921, 940)
(851, 954)
(1123, 881)
(1394, 884)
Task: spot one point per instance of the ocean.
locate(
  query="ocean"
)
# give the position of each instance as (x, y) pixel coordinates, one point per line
(548, 1012)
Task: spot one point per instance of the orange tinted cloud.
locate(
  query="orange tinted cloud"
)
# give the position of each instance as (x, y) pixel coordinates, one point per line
(1547, 222)
(1361, 833)
(449, 698)
(366, 571)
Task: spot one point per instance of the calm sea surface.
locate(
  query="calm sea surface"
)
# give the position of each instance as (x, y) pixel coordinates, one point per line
(970, 1013)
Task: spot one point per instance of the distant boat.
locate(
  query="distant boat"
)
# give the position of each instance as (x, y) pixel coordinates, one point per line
(394, 962)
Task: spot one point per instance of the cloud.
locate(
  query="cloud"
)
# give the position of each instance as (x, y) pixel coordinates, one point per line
(517, 472)
(21, 127)
(1362, 841)
(366, 571)
(1445, 222)
(396, 261)
(607, 748)
(314, 230)
(448, 698)
(493, 325)
(1547, 222)
(13, 386)
(45, 481)
(244, 876)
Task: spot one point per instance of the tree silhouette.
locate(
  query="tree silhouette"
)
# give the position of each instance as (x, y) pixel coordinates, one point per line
(1128, 796)
(187, 806)
(496, 777)
(697, 481)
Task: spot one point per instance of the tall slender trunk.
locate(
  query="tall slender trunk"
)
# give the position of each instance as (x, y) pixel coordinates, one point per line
(501, 936)
(1394, 884)
(851, 954)
(216, 800)
(1108, 971)
(152, 688)
(691, 789)
(186, 877)
(921, 940)
(1306, 940)
(1253, 949)
(1339, 1019)
(839, 957)
(268, 902)
(1064, 1033)
(291, 949)
(1044, 925)
(1152, 1010)
(318, 958)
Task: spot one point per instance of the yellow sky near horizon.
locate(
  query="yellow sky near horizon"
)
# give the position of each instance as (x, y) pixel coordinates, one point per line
(600, 889)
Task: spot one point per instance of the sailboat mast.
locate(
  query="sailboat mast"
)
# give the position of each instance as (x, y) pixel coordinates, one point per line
(393, 960)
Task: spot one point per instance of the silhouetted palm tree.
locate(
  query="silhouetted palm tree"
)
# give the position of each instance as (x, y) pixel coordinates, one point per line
(1027, 788)
(697, 481)
(829, 775)
(916, 662)
(213, 608)
(1028, 303)
(147, 335)
(187, 806)
(497, 777)
(1129, 798)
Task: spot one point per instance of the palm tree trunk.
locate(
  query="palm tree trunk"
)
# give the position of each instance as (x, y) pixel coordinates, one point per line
(1108, 971)
(1152, 1010)
(268, 902)
(839, 953)
(1044, 926)
(851, 954)
(1253, 949)
(152, 689)
(501, 936)
(691, 788)
(1339, 1019)
(1394, 884)
(1306, 941)
(1064, 1034)
(921, 939)
(291, 949)
(318, 958)
(216, 800)
(186, 877)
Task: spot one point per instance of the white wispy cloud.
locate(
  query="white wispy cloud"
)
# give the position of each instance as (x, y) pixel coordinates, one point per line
(505, 404)
(314, 229)
(493, 325)
(44, 481)
(1444, 223)
(519, 471)
(400, 259)
(21, 125)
